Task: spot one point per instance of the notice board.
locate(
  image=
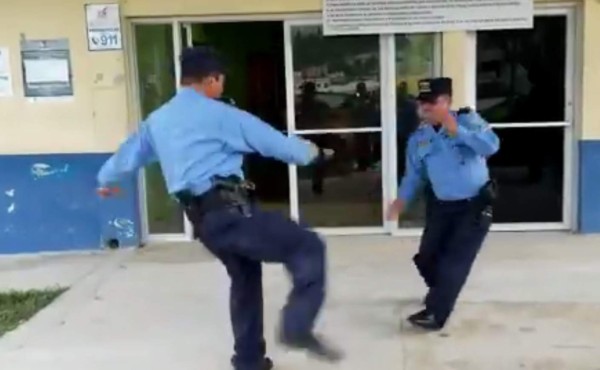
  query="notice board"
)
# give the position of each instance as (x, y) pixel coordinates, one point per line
(353, 17)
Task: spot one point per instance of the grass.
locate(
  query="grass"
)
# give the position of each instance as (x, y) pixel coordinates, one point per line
(16, 307)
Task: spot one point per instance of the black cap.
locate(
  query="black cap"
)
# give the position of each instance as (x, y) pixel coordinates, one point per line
(200, 62)
(430, 89)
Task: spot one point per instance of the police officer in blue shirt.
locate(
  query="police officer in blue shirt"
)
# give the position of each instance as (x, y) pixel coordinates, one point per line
(449, 152)
(200, 143)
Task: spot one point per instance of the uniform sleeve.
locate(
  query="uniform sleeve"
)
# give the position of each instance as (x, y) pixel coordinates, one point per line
(414, 174)
(475, 132)
(134, 153)
(245, 133)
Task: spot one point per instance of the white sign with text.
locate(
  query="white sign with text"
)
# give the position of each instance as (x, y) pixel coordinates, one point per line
(104, 27)
(353, 17)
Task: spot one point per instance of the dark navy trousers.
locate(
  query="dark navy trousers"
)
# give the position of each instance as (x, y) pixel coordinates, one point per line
(242, 244)
(453, 235)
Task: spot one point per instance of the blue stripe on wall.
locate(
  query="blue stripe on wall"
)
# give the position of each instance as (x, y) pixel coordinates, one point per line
(589, 198)
(48, 203)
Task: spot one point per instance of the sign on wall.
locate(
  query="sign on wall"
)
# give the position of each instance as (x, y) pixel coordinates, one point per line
(348, 17)
(103, 27)
(6, 89)
(46, 68)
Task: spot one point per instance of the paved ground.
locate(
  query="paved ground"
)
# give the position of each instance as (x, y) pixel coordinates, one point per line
(533, 303)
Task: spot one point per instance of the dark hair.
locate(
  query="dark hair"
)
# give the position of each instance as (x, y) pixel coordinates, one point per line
(198, 63)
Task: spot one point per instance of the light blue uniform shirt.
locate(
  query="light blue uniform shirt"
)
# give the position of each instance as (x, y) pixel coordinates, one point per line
(455, 166)
(196, 138)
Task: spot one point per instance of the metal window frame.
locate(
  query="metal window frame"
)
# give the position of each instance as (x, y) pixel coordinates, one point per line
(388, 107)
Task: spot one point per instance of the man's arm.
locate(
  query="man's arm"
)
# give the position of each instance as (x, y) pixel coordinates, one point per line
(414, 175)
(133, 154)
(476, 133)
(246, 133)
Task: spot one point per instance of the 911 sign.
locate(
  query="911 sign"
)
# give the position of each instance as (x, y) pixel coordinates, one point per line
(103, 27)
(107, 40)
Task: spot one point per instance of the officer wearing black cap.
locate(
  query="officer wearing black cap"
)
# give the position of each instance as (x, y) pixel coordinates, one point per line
(448, 152)
(200, 143)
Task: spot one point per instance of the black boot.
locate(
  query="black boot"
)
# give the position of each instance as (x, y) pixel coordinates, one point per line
(266, 365)
(425, 320)
(314, 346)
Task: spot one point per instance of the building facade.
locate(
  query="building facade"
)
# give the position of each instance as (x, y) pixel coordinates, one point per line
(537, 87)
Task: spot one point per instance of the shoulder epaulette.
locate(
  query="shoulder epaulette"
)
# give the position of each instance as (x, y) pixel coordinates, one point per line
(464, 110)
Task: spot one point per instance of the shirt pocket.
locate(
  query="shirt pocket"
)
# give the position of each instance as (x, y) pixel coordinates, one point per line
(465, 152)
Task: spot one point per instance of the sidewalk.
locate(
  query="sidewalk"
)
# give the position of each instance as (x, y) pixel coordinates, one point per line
(533, 302)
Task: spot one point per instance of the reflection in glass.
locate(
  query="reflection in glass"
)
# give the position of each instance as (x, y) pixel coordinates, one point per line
(521, 73)
(336, 80)
(414, 61)
(530, 181)
(340, 192)
(156, 78)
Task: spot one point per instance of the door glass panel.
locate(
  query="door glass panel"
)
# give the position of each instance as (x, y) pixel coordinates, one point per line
(521, 78)
(521, 73)
(530, 181)
(156, 85)
(336, 80)
(346, 190)
(415, 55)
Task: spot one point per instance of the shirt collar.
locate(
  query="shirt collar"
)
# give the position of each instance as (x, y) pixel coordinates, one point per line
(190, 92)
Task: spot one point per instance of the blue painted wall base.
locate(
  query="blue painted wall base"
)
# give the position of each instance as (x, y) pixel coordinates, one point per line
(48, 203)
(589, 194)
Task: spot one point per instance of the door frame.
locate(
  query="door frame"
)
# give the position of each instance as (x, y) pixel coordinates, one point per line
(388, 112)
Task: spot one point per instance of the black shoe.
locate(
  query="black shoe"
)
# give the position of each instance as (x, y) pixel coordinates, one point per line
(313, 345)
(266, 365)
(425, 320)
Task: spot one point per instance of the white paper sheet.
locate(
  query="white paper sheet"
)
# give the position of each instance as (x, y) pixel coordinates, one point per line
(47, 71)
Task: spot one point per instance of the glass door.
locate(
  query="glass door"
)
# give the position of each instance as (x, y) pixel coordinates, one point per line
(157, 82)
(524, 89)
(333, 94)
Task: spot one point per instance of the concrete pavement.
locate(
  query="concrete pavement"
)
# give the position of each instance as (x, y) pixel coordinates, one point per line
(533, 302)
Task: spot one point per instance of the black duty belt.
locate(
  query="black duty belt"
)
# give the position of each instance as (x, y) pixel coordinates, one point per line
(226, 192)
(487, 195)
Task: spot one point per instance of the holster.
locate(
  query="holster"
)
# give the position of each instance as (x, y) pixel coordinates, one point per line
(226, 192)
(235, 192)
(488, 193)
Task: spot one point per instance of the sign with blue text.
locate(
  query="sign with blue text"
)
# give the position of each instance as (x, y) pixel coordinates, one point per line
(104, 27)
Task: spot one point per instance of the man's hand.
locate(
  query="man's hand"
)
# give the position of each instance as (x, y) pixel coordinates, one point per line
(105, 191)
(313, 148)
(395, 210)
(449, 122)
(328, 153)
(315, 151)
